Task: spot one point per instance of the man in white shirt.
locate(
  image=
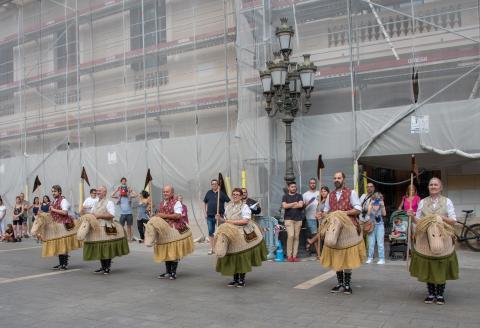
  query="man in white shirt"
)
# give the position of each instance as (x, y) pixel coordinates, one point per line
(170, 210)
(90, 202)
(310, 199)
(346, 200)
(365, 200)
(59, 210)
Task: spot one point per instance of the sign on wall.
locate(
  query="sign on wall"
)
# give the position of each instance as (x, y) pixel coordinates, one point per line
(419, 124)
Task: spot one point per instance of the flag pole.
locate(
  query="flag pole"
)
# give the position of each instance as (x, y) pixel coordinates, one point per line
(409, 242)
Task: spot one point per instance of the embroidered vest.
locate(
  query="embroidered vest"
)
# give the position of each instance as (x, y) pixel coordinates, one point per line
(343, 204)
(233, 211)
(168, 207)
(428, 207)
(60, 218)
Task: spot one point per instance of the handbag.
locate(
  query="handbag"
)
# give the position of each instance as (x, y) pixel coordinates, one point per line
(112, 230)
(249, 233)
(69, 225)
(182, 227)
(368, 227)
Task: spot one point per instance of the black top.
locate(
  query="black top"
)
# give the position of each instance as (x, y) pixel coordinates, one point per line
(295, 214)
(251, 202)
(211, 201)
(35, 210)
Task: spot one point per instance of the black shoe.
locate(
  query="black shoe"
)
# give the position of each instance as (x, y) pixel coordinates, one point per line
(429, 299)
(163, 275)
(140, 241)
(57, 267)
(347, 290)
(440, 300)
(98, 270)
(63, 268)
(173, 276)
(106, 271)
(336, 289)
(241, 284)
(232, 283)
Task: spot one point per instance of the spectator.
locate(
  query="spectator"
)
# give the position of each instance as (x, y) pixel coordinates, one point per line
(45, 207)
(411, 200)
(124, 195)
(35, 208)
(184, 209)
(18, 218)
(365, 201)
(90, 202)
(26, 209)
(324, 191)
(376, 212)
(3, 214)
(310, 199)
(9, 235)
(292, 202)
(252, 204)
(210, 209)
(143, 210)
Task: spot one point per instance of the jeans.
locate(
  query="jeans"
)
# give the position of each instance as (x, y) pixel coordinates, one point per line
(312, 226)
(211, 223)
(377, 235)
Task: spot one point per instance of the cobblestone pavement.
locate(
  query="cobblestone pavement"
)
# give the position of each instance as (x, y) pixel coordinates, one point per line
(31, 295)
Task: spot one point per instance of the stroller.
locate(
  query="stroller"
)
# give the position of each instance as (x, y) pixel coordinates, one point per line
(398, 240)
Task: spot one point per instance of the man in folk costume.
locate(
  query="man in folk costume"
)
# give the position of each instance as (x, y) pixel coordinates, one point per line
(427, 266)
(104, 211)
(59, 209)
(346, 200)
(171, 210)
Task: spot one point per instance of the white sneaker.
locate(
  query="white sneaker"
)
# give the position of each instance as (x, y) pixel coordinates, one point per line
(369, 261)
(381, 262)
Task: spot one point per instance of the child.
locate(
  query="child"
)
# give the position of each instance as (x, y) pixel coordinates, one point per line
(399, 229)
(9, 235)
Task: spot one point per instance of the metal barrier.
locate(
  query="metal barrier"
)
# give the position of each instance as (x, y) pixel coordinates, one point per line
(269, 229)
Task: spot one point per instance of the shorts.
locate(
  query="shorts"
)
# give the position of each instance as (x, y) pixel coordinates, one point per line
(126, 217)
(18, 222)
(211, 223)
(312, 226)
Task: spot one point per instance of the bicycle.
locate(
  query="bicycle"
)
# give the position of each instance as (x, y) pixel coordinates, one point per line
(470, 233)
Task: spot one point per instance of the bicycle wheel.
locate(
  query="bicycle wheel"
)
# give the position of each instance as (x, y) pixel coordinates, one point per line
(473, 237)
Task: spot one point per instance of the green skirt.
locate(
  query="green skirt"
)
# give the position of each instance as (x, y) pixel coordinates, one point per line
(242, 262)
(434, 270)
(103, 250)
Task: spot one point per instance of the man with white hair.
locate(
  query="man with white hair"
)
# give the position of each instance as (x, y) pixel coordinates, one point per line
(170, 210)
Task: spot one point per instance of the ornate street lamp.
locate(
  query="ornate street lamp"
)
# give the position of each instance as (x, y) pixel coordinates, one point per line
(285, 84)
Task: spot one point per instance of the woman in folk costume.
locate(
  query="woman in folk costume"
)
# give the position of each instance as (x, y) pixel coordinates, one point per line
(103, 238)
(170, 210)
(434, 260)
(343, 248)
(239, 243)
(59, 210)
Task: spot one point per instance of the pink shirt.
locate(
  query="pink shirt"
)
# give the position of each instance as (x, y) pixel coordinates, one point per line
(413, 206)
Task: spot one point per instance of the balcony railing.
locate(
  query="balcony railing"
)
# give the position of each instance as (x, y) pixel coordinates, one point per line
(367, 30)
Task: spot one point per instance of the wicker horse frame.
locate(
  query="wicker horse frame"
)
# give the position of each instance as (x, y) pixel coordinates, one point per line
(230, 239)
(56, 238)
(339, 232)
(433, 237)
(91, 231)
